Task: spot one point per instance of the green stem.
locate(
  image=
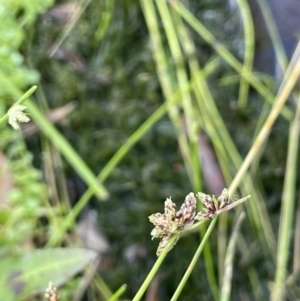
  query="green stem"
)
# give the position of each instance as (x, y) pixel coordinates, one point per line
(67, 151)
(194, 260)
(287, 211)
(227, 278)
(154, 269)
(209, 267)
(288, 83)
(274, 34)
(249, 37)
(118, 293)
(227, 56)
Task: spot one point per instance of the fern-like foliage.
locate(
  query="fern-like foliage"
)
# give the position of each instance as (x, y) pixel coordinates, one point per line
(15, 17)
(23, 195)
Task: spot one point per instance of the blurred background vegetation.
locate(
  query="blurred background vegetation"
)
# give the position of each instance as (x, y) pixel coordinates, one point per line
(184, 101)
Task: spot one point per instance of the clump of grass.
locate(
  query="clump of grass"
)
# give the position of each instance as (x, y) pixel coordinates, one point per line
(189, 99)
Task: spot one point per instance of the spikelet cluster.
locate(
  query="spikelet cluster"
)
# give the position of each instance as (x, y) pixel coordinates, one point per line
(172, 222)
(51, 293)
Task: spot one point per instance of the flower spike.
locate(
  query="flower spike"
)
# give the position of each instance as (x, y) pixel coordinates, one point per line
(173, 222)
